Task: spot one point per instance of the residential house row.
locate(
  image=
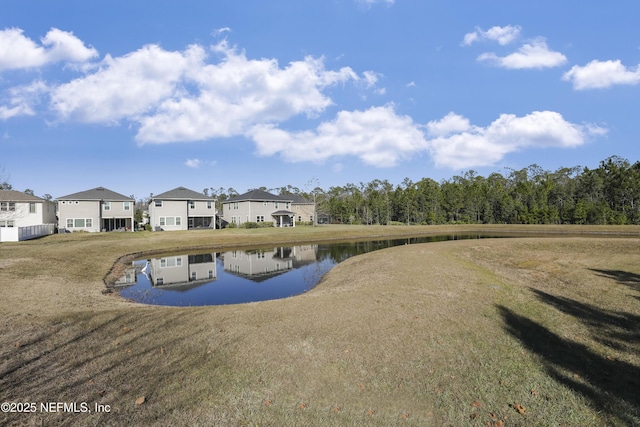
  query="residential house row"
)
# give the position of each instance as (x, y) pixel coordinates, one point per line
(23, 216)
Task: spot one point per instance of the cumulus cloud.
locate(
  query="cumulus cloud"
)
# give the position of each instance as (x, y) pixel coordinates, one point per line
(535, 54)
(238, 93)
(125, 87)
(457, 144)
(502, 35)
(377, 136)
(18, 51)
(382, 138)
(602, 74)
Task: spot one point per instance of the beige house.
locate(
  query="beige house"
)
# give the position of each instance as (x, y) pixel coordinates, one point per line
(303, 209)
(181, 209)
(23, 216)
(96, 210)
(259, 206)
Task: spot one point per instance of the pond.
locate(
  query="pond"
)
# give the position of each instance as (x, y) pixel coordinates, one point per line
(249, 275)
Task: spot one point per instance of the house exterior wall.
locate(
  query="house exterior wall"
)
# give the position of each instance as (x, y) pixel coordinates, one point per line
(170, 209)
(303, 212)
(45, 213)
(201, 208)
(117, 209)
(249, 211)
(81, 210)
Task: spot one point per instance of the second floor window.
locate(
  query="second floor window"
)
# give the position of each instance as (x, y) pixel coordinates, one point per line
(107, 206)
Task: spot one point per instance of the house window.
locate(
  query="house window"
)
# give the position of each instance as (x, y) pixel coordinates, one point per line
(8, 223)
(69, 223)
(107, 206)
(209, 204)
(260, 218)
(158, 203)
(32, 208)
(78, 223)
(311, 218)
(265, 203)
(286, 205)
(235, 205)
(192, 204)
(275, 205)
(126, 206)
(88, 222)
(7, 206)
(299, 218)
(170, 220)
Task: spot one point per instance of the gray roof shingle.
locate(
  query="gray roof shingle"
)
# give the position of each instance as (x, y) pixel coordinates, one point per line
(181, 193)
(98, 193)
(258, 196)
(18, 196)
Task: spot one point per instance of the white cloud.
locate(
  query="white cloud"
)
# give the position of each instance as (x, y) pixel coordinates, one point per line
(377, 136)
(22, 100)
(535, 54)
(458, 144)
(382, 138)
(125, 87)
(193, 163)
(238, 93)
(602, 74)
(502, 35)
(18, 51)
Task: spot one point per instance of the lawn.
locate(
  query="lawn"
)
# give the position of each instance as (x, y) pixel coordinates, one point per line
(522, 331)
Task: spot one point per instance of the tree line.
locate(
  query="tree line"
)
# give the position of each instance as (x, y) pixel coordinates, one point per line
(608, 194)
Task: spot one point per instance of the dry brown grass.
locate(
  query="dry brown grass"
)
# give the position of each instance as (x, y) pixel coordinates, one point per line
(453, 333)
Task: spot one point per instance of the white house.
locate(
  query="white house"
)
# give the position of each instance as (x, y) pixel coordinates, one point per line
(181, 209)
(96, 210)
(23, 216)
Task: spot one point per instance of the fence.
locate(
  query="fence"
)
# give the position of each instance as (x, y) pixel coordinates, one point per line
(15, 234)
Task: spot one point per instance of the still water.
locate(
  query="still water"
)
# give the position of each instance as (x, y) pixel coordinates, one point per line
(240, 276)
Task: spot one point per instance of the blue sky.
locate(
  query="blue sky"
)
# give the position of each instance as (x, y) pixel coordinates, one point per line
(141, 97)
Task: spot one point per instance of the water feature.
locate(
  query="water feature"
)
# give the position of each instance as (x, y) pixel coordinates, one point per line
(240, 276)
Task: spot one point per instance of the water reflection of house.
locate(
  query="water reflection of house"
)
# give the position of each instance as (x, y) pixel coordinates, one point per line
(183, 272)
(129, 277)
(262, 264)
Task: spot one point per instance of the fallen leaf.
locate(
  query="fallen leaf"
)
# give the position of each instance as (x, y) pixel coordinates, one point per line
(405, 416)
(476, 403)
(519, 408)
(499, 423)
(534, 392)
(126, 329)
(267, 402)
(370, 412)
(302, 406)
(336, 409)
(361, 386)
(140, 400)
(17, 345)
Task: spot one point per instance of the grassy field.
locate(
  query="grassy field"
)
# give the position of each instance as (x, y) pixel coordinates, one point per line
(501, 332)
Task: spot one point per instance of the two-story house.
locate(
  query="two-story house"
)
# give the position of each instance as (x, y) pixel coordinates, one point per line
(303, 209)
(181, 209)
(259, 206)
(96, 210)
(23, 216)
